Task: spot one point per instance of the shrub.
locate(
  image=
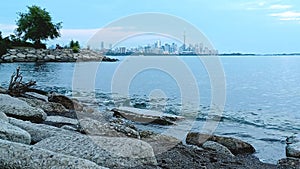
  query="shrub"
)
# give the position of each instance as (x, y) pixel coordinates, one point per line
(75, 49)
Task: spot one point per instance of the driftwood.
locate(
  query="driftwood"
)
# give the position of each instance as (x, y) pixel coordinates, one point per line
(16, 86)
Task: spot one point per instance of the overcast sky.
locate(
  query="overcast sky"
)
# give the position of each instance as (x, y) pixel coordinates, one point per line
(253, 26)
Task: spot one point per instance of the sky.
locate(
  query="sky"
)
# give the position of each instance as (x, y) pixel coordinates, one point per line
(252, 26)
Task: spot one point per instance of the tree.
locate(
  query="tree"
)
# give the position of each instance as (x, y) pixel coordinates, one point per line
(3, 45)
(36, 25)
(75, 46)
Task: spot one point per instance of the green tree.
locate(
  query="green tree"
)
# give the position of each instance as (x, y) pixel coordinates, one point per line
(36, 25)
(3, 45)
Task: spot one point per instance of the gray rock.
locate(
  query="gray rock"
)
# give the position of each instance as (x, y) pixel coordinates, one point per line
(3, 117)
(236, 146)
(211, 145)
(113, 152)
(160, 143)
(21, 55)
(39, 132)
(46, 106)
(13, 133)
(62, 120)
(51, 57)
(19, 109)
(67, 127)
(16, 155)
(146, 116)
(97, 128)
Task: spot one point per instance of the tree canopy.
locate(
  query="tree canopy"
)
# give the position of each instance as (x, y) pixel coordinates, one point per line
(37, 25)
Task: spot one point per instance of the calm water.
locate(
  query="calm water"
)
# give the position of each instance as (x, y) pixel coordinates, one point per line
(262, 95)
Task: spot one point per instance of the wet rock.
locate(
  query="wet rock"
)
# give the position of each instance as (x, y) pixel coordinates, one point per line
(145, 116)
(112, 152)
(13, 133)
(217, 147)
(17, 108)
(39, 132)
(293, 150)
(236, 146)
(16, 155)
(293, 146)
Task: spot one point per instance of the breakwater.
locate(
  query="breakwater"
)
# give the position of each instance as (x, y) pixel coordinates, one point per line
(52, 55)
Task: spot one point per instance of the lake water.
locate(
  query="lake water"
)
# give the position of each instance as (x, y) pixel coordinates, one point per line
(262, 94)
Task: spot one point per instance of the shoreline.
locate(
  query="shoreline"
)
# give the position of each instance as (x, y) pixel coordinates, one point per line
(53, 55)
(74, 120)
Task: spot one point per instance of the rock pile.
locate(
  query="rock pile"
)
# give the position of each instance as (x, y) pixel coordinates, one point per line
(54, 55)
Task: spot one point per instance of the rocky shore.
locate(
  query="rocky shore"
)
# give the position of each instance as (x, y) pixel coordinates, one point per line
(52, 55)
(54, 131)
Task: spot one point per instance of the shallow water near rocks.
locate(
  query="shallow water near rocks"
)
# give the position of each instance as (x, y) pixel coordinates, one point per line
(262, 96)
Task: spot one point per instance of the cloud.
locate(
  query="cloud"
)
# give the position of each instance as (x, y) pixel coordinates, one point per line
(278, 6)
(287, 16)
(7, 29)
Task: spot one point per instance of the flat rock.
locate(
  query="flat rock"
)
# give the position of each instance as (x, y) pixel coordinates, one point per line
(61, 120)
(13, 133)
(236, 146)
(211, 145)
(39, 132)
(112, 152)
(17, 108)
(16, 155)
(146, 116)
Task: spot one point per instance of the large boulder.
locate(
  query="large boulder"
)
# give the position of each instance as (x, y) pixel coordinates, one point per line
(211, 145)
(39, 132)
(17, 108)
(236, 146)
(293, 146)
(145, 116)
(13, 133)
(112, 152)
(16, 155)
